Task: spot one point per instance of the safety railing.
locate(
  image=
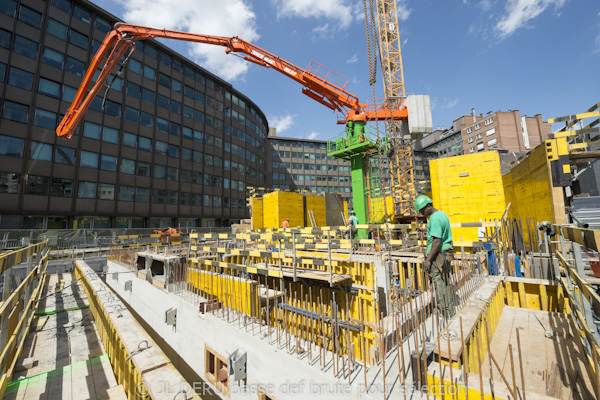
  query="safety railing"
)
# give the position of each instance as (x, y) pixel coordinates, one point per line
(18, 305)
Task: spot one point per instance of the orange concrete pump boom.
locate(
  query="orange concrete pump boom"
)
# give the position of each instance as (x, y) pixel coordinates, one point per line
(320, 83)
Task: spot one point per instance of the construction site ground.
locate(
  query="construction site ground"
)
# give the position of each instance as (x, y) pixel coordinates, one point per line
(63, 356)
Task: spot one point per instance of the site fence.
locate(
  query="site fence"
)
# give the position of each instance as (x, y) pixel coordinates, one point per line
(19, 303)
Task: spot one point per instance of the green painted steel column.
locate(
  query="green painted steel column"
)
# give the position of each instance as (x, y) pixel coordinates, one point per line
(359, 198)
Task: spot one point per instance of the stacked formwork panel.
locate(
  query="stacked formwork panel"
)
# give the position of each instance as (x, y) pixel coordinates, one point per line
(469, 189)
(256, 205)
(316, 205)
(532, 188)
(278, 206)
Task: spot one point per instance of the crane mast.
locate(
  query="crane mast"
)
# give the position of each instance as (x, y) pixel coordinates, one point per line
(401, 165)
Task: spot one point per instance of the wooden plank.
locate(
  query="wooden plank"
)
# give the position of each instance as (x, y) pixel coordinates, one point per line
(116, 393)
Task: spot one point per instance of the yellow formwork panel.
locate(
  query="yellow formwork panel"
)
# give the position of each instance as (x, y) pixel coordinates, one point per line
(316, 204)
(306, 300)
(235, 292)
(279, 205)
(377, 210)
(256, 205)
(468, 188)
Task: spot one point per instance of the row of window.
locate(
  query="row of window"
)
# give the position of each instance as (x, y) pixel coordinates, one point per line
(59, 187)
(47, 119)
(325, 178)
(311, 167)
(330, 189)
(291, 143)
(294, 154)
(13, 147)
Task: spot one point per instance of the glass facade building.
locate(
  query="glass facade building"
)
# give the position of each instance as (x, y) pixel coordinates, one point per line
(169, 142)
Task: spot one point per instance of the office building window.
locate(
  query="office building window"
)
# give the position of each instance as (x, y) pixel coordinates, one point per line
(37, 184)
(81, 13)
(146, 119)
(53, 58)
(9, 183)
(148, 95)
(126, 193)
(173, 151)
(143, 168)
(144, 143)
(108, 163)
(490, 132)
(19, 78)
(142, 195)
(41, 151)
(88, 159)
(112, 108)
(184, 199)
(171, 197)
(103, 25)
(492, 142)
(172, 174)
(127, 166)
(75, 67)
(68, 93)
(134, 90)
(160, 148)
(78, 39)
(8, 7)
(11, 146)
(158, 196)
(129, 140)
(61, 187)
(65, 155)
(160, 172)
(149, 73)
(91, 130)
(106, 191)
(26, 47)
(49, 88)
(110, 135)
(44, 119)
(86, 190)
(30, 17)
(15, 112)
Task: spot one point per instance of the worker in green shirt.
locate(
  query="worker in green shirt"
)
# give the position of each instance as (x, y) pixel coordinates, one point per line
(439, 253)
(352, 222)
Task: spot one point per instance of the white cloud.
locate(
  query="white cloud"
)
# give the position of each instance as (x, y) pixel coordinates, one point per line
(485, 5)
(450, 104)
(223, 18)
(324, 31)
(282, 123)
(337, 10)
(402, 10)
(313, 136)
(520, 12)
(352, 59)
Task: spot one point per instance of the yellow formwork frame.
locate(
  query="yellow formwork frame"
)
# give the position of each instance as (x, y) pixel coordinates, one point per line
(226, 289)
(125, 372)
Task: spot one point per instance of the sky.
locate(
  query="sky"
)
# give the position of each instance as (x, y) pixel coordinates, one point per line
(536, 56)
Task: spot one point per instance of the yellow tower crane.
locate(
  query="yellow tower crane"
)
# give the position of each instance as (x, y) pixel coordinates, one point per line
(386, 37)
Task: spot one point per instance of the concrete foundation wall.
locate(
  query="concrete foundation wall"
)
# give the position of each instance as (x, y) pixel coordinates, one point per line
(283, 375)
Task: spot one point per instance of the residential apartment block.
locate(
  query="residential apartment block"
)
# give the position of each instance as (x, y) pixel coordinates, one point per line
(508, 131)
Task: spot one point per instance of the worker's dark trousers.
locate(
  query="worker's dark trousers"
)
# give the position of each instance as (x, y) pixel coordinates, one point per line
(440, 277)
